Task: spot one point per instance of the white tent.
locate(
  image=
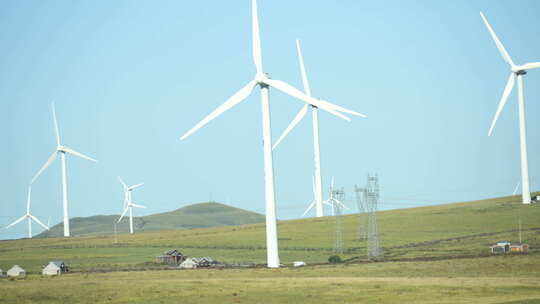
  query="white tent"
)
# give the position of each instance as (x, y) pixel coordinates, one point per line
(189, 263)
(16, 271)
(51, 269)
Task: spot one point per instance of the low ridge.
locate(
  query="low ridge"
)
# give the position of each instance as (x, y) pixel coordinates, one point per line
(201, 215)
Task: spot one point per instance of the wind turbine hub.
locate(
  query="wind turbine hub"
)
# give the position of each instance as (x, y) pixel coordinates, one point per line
(260, 78)
(521, 72)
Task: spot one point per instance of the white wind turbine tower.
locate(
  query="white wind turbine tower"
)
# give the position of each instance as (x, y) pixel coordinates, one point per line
(28, 216)
(516, 75)
(318, 194)
(62, 150)
(128, 204)
(264, 82)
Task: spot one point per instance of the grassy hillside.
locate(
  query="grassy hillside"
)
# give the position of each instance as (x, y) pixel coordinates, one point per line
(200, 215)
(432, 254)
(444, 231)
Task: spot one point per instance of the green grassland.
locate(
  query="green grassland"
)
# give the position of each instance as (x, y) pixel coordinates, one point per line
(202, 215)
(432, 254)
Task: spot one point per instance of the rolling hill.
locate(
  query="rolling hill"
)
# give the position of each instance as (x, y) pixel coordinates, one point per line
(202, 215)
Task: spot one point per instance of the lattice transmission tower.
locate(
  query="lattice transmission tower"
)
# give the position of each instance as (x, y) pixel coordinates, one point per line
(337, 199)
(375, 251)
(362, 209)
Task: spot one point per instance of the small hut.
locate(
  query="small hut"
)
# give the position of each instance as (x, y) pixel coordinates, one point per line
(55, 268)
(16, 271)
(51, 269)
(189, 263)
(198, 262)
(519, 248)
(171, 257)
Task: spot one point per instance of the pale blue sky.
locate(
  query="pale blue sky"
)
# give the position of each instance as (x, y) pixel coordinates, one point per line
(130, 77)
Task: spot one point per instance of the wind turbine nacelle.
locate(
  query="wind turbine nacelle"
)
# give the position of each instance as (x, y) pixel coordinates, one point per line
(519, 70)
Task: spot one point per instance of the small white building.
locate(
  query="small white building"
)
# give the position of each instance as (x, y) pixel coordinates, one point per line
(189, 263)
(51, 269)
(299, 264)
(16, 271)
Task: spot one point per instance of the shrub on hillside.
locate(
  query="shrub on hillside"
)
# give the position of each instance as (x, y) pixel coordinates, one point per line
(334, 259)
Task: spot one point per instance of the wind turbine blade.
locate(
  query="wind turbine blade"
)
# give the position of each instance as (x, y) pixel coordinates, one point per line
(309, 208)
(307, 89)
(49, 223)
(47, 163)
(342, 109)
(56, 132)
(28, 199)
(290, 90)
(123, 214)
(257, 50)
(293, 124)
(135, 186)
(332, 184)
(328, 203)
(138, 206)
(499, 44)
(516, 188)
(504, 98)
(71, 151)
(122, 182)
(231, 102)
(341, 204)
(38, 221)
(22, 218)
(530, 66)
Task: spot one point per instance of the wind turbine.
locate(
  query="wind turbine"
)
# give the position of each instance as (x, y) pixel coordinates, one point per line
(264, 81)
(333, 201)
(28, 216)
(128, 204)
(62, 150)
(516, 75)
(316, 143)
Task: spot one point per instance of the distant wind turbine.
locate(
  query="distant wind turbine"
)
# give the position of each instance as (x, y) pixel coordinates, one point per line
(516, 74)
(28, 216)
(332, 201)
(318, 194)
(62, 150)
(128, 204)
(265, 82)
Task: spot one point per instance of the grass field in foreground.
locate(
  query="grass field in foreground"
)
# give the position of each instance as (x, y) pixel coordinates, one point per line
(500, 279)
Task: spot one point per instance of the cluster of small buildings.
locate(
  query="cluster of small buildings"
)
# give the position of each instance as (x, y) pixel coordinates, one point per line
(53, 268)
(176, 258)
(506, 247)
